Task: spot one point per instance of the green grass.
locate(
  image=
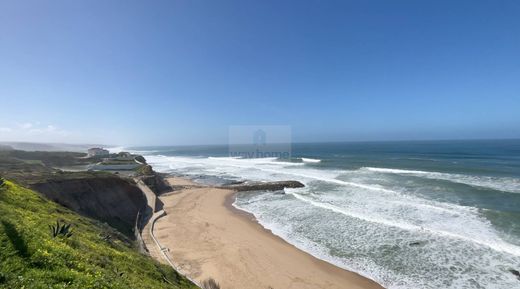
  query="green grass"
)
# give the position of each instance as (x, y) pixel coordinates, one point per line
(31, 258)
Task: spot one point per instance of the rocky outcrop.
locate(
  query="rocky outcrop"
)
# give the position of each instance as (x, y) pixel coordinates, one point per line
(515, 272)
(140, 159)
(264, 186)
(156, 183)
(154, 180)
(110, 199)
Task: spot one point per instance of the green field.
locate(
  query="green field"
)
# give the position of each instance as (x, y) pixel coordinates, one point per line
(94, 256)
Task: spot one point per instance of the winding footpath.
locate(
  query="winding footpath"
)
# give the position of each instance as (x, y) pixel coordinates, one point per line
(154, 247)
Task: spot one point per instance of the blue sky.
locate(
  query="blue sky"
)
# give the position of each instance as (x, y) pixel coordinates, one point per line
(181, 72)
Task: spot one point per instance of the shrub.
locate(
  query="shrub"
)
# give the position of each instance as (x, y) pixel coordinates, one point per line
(210, 284)
(61, 230)
(145, 170)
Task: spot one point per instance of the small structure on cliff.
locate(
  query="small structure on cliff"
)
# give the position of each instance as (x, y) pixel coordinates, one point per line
(96, 152)
(123, 156)
(123, 161)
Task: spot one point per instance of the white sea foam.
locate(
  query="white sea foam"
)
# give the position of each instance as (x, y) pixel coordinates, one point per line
(309, 160)
(383, 215)
(486, 236)
(118, 149)
(369, 270)
(115, 150)
(504, 184)
(438, 263)
(250, 168)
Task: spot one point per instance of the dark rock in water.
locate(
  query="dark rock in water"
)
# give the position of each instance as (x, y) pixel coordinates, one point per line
(267, 186)
(234, 183)
(211, 181)
(515, 272)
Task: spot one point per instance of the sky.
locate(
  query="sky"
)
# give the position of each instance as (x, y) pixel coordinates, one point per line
(182, 72)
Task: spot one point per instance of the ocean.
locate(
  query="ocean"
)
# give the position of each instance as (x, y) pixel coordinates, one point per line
(424, 214)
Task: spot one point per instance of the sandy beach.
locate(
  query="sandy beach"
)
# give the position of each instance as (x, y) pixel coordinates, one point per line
(207, 237)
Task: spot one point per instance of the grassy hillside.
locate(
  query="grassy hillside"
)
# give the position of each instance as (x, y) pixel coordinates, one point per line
(95, 256)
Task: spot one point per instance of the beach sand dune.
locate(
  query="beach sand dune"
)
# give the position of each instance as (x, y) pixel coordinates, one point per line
(206, 237)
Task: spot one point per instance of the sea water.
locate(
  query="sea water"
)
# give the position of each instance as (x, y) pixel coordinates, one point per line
(437, 214)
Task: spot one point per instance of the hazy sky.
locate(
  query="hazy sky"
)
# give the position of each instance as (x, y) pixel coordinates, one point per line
(181, 72)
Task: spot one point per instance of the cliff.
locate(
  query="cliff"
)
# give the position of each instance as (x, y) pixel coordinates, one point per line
(107, 198)
(93, 255)
(100, 195)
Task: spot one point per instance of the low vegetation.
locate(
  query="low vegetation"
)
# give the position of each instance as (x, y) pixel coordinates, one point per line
(95, 256)
(55, 159)
(61, 230)
(34, 167)
(145, 170)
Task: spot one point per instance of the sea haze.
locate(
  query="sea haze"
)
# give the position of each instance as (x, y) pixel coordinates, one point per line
(440, 214)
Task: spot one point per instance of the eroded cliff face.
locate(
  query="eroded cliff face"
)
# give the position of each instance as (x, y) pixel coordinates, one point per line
(110, 199)
(156, 183)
